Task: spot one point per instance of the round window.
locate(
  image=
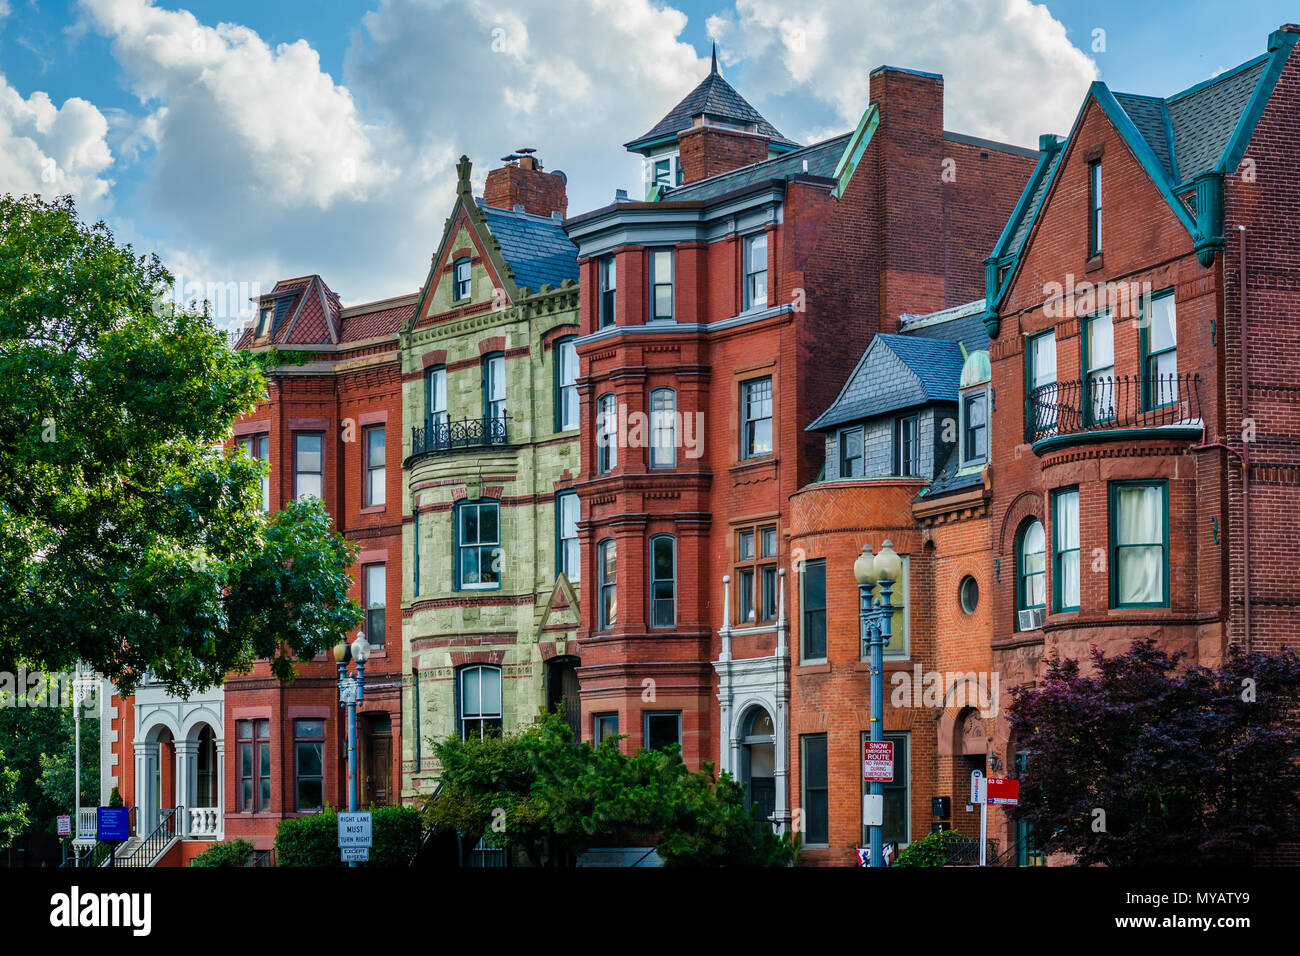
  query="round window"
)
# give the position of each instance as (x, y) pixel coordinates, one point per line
(970, 594)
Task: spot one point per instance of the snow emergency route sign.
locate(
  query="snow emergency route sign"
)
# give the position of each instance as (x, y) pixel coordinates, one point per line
(878, 761)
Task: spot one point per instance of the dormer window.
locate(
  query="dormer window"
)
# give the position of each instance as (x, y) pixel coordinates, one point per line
(975, 428)
(664, 170)
(461, 286)
(263, 322)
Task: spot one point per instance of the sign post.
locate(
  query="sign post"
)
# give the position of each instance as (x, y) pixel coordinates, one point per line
(978, 793)
(355, 836)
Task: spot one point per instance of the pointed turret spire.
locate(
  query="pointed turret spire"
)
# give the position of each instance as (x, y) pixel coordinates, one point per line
(714, 68)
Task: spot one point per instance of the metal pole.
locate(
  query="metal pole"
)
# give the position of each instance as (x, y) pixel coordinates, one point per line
(875, 633)
(76, 780)
(352, 752)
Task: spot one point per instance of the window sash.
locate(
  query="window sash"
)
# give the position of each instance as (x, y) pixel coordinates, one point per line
(461, 290)
(663, 428)
(756, 417)
(1031, 567)
(1159, 345)
(756, 272)
(663, 581)
(1094, 208)
(1139, 517)
(376, 472)
(1065, 550)
(908, 459)
(308, 464)
(975, 432)
(566, 357)
(494, 388)
(852, 460)
(607, 429)
(608, 287)
(812, 610)
(479, 700)
(478, 546)
(814, 780)
(607, 581)
(375, 600)
(654, 725)
(1099, 368)
(567, 508)
(661, 285)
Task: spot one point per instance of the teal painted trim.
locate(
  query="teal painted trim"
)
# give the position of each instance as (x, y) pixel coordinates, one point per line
(637, 145)
(1020, 566)
(1142, 150)
(1057, 494)
(557, 375)
(1281, 43)
(855, 149)
(1112, 496)
(1044, 445)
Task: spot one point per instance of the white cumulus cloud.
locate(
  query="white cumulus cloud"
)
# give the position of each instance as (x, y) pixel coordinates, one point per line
(53, 150)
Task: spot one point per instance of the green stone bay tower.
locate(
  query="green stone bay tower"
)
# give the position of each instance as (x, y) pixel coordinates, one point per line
(489, 370)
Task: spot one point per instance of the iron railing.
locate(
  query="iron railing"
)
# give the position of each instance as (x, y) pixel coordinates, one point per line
(99, 854)
(435, 435)
(966, 851)
(144, 852)
(1112, 401)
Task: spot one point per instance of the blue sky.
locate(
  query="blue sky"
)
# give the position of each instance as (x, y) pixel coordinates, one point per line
(321, 137)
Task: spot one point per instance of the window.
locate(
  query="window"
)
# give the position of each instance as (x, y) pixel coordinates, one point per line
(852, 464)
(1159, 339)
(756, 417)
(975, 428)
(309, 765)
(308, 469)
(661, 285)
(1065, 550)
(375, 488)
(435, 402)
(263, 323)
(259, 448)
(479, 701)
(606, 433)
(756, 272)
(756, 581)
(461, 285)
(900, 621)
(566, 377)
(663, 729)
(907, 449)
(663, 581)
(969, 593)
(664, 171)
(812, 608)
(1099, 368)
(566, 506)
(607, 583)
(603, 726)
(494, 388)
(1094, 208)
(608, 278)
(816, 796)
(663, 428)
(254, 765)
(478, 545)
(1139, 534)
(374, 601)
(1031, 589)
(896, 823)
(1041, 353)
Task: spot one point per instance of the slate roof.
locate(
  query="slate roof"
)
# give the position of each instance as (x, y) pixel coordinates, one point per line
(535, 248)
(822, 159)
(949, 480)
(307, 310)
(716, 98)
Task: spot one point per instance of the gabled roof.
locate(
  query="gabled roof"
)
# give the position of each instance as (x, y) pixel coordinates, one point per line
(306, 311)
(1202, 131)
(718, 100)
(896, 371)
(536, 249)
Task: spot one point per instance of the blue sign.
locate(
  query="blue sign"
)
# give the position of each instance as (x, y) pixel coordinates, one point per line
(114, 823)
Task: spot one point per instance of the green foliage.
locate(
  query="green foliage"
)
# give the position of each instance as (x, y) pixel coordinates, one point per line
(313, 840)
(38, 748)
(13, 813)
(931, 850)
(229, 853)
(129, 537)
(538, 791)
(115, 798)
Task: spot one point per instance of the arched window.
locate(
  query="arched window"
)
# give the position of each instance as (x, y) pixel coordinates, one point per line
(478, 545)
(1031, 577)
(607, 583)
(478, 700)
(663, 581)
(663, 428)
(606, 433)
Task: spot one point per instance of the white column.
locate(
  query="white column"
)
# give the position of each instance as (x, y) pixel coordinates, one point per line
(220, 801)
(726, 746)
(186, 756)
(780, 719)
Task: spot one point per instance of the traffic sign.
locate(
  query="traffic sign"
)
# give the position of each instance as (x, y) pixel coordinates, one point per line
(355, 854)
(65, 824)
(873, 810)
(878, 761)
(977, 786)
(354, 829)
(999, 790)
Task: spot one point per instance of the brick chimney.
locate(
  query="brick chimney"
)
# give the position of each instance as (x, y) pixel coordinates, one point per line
(706, 150)
(522, 182)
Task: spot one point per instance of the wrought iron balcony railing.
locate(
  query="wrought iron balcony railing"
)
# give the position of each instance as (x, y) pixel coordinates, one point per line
(436, 435)
(1112, 401)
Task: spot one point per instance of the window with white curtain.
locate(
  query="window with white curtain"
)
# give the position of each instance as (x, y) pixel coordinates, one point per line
(1139, 543)
(1031, 568)
(1065, 550)
(479, 698)
(1041, 353)
(663, 428)
(1099, 367)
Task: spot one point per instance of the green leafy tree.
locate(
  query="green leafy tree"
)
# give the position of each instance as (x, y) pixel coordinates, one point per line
(13, 813)
(540, 792)
(39, 749)
(130, 538)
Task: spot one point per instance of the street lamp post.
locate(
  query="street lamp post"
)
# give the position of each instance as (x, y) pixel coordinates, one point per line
(83, 683)
(352, 690)
(874, 615)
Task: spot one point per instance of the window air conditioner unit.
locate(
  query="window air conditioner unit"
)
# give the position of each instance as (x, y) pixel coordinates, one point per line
(1032, 619)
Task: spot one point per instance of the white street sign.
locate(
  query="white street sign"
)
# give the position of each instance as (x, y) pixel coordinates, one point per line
(355, 854)
(873, 810)
(354, 829)
(977, 786)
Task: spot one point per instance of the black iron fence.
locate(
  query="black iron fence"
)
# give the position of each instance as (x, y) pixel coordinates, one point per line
(1112, 401)
(966, 851)
(144, 852)
(437, 435)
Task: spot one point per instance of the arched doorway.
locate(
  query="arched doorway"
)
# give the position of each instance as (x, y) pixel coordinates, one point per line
(758, 764)
(562, 689)
(157, 777)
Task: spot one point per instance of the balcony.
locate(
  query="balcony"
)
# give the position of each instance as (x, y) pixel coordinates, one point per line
(442, 436)
(1103, 406)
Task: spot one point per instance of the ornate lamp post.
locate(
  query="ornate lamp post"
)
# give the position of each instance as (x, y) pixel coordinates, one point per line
(83, 684)
(875, 615)
(352, 690)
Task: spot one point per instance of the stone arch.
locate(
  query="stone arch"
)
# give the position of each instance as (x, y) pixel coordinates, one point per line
(952, 740)
(196, 719)
(1026, 505)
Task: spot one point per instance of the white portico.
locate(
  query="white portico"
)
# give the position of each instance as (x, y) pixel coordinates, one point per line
(754, 698)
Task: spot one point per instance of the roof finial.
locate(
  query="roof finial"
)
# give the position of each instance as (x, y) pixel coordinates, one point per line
(714, 68)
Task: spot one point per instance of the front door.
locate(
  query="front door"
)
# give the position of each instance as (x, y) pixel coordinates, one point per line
(377, 762)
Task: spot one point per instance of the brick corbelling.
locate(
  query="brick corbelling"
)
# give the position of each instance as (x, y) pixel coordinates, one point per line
(469, 600)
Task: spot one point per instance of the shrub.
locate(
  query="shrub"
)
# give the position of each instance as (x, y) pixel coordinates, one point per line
(229, 853)
(115, 798)
(313, 841)
(931, 850)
